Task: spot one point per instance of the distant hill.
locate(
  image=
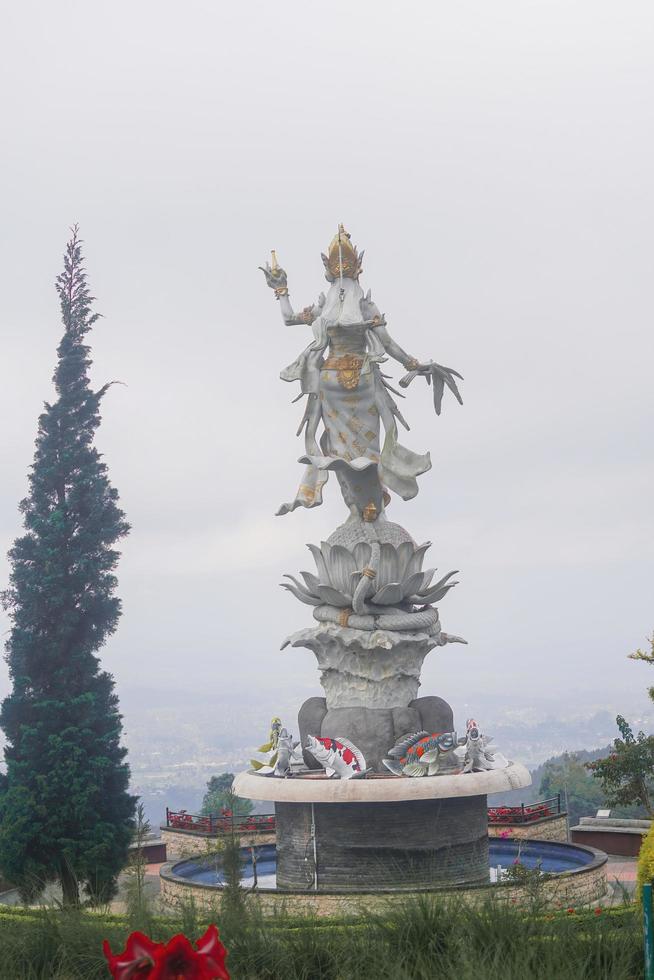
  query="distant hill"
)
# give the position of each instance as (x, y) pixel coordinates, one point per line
(581, 793)
(532, 793)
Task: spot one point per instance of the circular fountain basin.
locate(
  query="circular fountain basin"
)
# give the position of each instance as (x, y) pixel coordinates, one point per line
(260, 862)
(575, 875)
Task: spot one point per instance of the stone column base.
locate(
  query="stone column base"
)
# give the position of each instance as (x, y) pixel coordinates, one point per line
(405, 845)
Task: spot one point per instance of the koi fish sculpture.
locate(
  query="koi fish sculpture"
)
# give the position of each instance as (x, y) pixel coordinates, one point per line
(478, 756)
(423, 754)
(337, 756)
(286, 753)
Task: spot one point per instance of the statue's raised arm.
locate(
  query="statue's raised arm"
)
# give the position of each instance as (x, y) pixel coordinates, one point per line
(277, 280)
(349, 399)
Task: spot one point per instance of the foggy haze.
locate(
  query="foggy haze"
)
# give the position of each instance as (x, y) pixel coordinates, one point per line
(495, 162)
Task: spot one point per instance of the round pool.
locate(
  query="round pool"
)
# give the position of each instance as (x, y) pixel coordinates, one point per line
(260, 862)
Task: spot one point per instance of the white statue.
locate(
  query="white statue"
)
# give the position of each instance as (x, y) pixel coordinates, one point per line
(478, 754)
(348, 393)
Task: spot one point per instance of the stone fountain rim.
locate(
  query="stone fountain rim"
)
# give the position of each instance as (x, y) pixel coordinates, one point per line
(254, 786)
(598, 859)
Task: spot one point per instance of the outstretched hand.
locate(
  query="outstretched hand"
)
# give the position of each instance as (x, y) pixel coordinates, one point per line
(276, 277)
(440, 376)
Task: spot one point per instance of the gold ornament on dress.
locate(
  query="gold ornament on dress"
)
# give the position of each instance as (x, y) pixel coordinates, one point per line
(281, 291)
(412, 364)
(348, 370)
(307, 492)
(370, 512)
(369, 572)
(344, 616)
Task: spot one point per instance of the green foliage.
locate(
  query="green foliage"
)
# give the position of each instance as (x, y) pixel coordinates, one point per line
(139, 913)
(627, 773)
(219, 796)
(233, 903)
(410, 940)
(646, 861)
(568, 776)
(647, 658)
(65, 813)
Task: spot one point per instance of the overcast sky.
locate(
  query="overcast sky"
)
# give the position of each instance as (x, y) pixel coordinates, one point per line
(495, 161)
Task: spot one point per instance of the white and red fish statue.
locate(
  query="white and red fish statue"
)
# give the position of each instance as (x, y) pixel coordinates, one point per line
(337, 756)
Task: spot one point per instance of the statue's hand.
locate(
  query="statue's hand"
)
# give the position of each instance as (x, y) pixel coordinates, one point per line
(443, 376)
(440, 375)
(275, 278)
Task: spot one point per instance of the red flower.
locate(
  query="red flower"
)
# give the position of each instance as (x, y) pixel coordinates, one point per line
(136, 961)
(176, 960)
(571, 911)
(214, 952)
(598, 911)
(179, 961)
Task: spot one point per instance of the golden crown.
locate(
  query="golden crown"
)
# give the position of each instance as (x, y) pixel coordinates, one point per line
(342, 258)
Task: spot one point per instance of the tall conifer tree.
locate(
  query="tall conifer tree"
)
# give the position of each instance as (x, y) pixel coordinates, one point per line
(65, 811)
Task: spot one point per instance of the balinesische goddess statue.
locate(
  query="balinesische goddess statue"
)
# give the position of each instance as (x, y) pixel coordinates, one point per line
(341, 374)
(372, 601)
(386, 794)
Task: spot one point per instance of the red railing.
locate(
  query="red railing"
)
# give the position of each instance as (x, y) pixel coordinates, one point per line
(526, 812)
(225, 823)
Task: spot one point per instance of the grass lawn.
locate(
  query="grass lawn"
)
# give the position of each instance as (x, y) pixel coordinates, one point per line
(417, 940)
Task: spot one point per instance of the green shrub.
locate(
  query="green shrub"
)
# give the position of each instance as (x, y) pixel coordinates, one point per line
(646, 860)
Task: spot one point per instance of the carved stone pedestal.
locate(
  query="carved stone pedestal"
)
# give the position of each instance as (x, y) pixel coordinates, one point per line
(372, 730)
(378, 669)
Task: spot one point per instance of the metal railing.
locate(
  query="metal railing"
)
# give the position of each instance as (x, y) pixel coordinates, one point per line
(223, 823)
(526, 812)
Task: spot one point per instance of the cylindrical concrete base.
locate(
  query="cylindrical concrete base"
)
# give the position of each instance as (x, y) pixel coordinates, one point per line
(400, 845)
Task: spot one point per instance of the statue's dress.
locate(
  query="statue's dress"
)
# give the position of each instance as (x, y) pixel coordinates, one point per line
(347, 392)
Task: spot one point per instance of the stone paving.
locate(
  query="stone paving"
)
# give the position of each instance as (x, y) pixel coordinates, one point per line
(621, 873)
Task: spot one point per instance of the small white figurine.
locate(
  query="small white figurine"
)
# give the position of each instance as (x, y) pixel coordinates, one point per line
(477, 755)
